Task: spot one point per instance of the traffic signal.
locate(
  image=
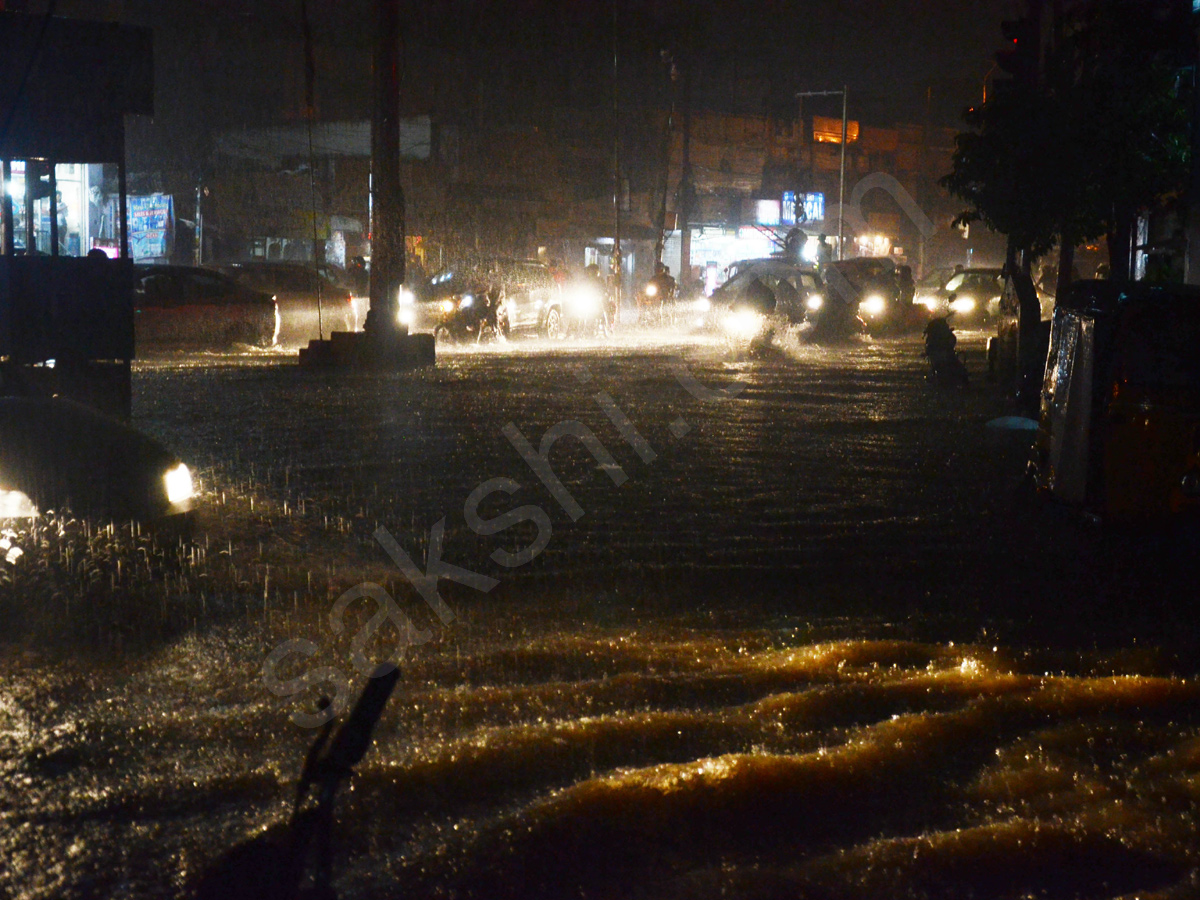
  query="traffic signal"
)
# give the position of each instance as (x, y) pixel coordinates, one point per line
(1019, 58)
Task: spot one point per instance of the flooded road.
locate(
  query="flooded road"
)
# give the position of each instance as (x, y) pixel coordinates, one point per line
(772, 627)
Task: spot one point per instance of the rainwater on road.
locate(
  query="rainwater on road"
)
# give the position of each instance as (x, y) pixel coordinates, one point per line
(792, 626)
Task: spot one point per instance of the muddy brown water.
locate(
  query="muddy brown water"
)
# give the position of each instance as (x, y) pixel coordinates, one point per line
(816, 643)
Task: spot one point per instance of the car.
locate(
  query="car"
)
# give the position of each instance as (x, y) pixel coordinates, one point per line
(354, 280)
(973, 295)
(797, 290)
(187, 306)
(451, 305)
(529, 298)
(310, 305)
(871, 283)
(59, 455)
(1119, 427)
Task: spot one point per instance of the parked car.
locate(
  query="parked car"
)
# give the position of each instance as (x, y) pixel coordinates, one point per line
(973, 295)
(1119, 433)
(797, 291)
(186, 306)
(310, 305)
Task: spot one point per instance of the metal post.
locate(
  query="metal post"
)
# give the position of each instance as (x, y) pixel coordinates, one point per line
(842, 184)
(199, 230)
(6, 210)
(617, 262)
(123, 200)
(842, 177)
(53, 204)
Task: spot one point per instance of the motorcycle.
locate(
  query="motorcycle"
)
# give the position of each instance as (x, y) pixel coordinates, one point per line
(470, 317)
(585, 309)
(656, 301)
(945, 365)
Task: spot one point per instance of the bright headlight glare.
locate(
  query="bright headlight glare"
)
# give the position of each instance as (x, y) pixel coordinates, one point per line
(584, 298)
(16, 505)
(405, 317)
(874, 305)
(178, 482)
(467, 301)
(963, 305)
(701, 304)
(815, 302)
(926, 300)
(406, 297)
(743, 323)
(651, 290)
(447, 306)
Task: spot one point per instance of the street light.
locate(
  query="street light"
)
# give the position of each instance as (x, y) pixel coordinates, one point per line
(842, 176)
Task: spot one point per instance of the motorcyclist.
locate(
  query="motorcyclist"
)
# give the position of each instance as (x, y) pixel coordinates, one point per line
(595, 281)
(659, 291)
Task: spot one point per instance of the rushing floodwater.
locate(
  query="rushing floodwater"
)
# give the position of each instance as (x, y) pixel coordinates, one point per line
(812, 646)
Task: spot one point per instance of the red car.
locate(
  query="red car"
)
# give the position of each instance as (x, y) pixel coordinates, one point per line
(188, 307)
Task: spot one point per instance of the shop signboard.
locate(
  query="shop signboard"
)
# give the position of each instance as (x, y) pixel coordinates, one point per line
(796, 209)
(151, 217)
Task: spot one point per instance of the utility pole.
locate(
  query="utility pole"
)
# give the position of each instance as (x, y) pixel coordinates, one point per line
(616, 268)
(842, 169)
(687, 189)
(661, 219)
(387, 196)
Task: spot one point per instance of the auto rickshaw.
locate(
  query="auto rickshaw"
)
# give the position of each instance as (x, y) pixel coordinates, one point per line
(1119, 432)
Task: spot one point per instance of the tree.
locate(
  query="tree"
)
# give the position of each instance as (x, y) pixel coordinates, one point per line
(1099, 136)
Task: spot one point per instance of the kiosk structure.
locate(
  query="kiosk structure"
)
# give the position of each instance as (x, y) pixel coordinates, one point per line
(66, 273)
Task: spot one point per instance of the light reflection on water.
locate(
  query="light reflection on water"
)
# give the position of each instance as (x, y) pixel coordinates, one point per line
(584, 760)
(733, 677)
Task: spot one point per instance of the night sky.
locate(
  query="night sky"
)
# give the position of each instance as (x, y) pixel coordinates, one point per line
(750, 56)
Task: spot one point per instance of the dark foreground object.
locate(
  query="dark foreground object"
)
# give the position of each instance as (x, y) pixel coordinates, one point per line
(64, 455)
(274, 865)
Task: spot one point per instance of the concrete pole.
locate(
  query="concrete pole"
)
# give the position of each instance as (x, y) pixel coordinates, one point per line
(387, 197)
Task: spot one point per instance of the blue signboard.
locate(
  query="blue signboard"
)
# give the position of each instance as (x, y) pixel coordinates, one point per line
(150, 219)
(810, 206)
(814, 207)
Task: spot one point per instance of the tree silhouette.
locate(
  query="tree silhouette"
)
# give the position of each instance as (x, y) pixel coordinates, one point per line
(1099, 138)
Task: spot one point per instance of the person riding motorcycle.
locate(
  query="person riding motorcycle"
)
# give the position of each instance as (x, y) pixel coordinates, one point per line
(659, 291)
(588, 305)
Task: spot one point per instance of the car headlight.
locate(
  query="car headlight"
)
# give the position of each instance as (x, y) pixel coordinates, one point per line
(929, 301)
(814, 302)
(178, 483)
(16, 505)
(405, 316)
(652, 290)
(743, 322)
(466, 302)
(446, 306)
(873, 305)
(405, 297)
(963, 304)
(701, 304)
